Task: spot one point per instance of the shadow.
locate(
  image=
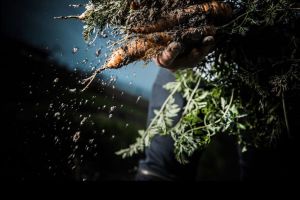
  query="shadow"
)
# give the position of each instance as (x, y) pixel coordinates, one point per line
(56, 132)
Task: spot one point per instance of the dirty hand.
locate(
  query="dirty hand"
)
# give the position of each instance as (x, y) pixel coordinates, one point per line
(171, 59)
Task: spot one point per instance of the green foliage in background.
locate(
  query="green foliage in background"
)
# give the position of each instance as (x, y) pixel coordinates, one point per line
(213, 92)
(230, 92)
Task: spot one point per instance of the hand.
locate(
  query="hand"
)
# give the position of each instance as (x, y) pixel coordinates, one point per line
(170, 58)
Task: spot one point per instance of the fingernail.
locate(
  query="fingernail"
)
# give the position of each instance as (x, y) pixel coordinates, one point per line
(175, 46)
(208, 40)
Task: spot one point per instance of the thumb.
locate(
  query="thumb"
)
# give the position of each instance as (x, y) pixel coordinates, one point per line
(167, 57)
(208, 41)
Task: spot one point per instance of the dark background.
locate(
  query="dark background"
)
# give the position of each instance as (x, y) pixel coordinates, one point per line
(43, 111)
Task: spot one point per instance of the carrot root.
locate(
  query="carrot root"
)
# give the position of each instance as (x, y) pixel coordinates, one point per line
(216, 10)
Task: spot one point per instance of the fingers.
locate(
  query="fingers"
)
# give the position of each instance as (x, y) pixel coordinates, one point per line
(168, 56)
(195, 56)
(191, 60)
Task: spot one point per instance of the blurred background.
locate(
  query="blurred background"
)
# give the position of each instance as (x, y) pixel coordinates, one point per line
(51, 130)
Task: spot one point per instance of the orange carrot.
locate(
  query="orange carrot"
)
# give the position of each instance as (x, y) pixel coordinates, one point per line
(138, 48)
(215, 10)
(145, 46)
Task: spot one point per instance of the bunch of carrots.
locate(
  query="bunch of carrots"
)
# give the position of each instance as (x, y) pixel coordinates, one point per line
(148, 38)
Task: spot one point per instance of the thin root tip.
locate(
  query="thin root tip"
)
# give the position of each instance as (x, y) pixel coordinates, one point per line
(68, 17)
(90, 79)
(101, 69)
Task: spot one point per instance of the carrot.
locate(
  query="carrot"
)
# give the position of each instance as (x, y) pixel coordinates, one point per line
(215, 10)
(144, 46)
(135, 5)
(133, 51)
(137, 48)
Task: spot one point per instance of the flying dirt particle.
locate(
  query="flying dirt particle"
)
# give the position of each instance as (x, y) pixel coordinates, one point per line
(76, 136)
(83, 120)
(98, 52)
(72, 90)
(138, 99)
(113, 108)
(55, 80)
(57, 115)
(75, 50)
